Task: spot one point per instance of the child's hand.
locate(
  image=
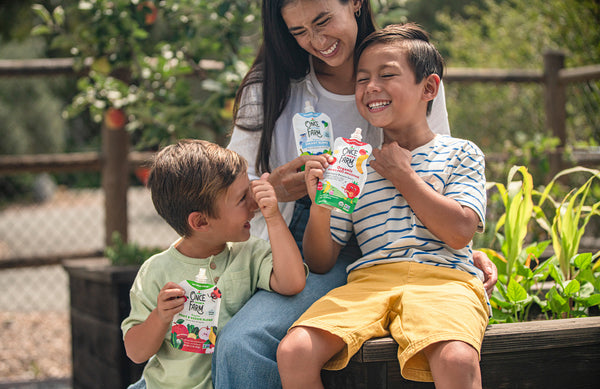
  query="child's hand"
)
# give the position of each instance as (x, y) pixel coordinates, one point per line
(264, 195)
(313, 172)
(392, 161)
(170, 301)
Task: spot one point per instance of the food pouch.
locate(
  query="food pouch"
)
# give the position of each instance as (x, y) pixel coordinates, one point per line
(313, 131)
(345, 177)
(194, 328)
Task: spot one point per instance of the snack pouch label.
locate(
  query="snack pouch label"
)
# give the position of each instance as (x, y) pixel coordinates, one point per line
(313, 131)
(194, 328)
(345, 177)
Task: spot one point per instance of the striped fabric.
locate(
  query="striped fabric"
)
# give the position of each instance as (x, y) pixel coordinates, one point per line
(387, 229)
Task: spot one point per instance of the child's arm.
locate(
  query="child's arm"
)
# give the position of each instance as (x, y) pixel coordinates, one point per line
(288, 276)
(320, 250)
(143, 340)
(444, 217)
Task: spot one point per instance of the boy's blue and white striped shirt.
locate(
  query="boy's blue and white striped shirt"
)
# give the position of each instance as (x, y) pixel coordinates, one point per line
(387, 229)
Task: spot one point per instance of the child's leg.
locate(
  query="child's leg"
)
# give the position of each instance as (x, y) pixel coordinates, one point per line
(301, 356)
(454, 365)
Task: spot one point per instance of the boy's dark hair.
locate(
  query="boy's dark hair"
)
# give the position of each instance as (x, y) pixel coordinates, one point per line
(189, 176)
(423, 57)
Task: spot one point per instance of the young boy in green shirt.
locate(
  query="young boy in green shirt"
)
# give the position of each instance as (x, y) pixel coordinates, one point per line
(202, 190)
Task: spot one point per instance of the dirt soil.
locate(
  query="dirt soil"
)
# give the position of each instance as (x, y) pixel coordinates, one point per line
(34, 345)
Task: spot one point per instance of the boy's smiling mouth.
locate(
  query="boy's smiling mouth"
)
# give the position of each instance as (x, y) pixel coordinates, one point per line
(378, 105)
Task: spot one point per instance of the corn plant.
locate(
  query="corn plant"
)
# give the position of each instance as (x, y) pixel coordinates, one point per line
(576, 284)
(518, 204)
(517, 264)
(571, 216)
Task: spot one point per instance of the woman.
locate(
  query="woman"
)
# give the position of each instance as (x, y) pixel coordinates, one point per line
(307, 54)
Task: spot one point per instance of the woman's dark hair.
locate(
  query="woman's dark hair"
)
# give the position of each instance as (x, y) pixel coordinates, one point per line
(279, 61)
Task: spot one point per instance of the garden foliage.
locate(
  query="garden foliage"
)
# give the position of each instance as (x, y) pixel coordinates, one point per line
(565, 283)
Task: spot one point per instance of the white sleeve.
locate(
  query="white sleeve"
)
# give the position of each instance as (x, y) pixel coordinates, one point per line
(245, 143)
(438, 118)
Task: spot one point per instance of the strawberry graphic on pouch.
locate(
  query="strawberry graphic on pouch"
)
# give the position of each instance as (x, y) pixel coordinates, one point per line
(352, 190)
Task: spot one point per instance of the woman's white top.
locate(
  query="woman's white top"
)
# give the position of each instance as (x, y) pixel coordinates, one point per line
(344, 120)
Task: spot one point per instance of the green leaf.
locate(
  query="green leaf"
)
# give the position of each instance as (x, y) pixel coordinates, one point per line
(501, 303)
(572, 287)
(139, 33)
(59, 15)
(40, 30)
(515, 292)
(592, 300)
(583, 261)
(43, 13)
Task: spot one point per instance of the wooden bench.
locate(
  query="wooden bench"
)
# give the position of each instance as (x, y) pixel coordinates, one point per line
(541, 354)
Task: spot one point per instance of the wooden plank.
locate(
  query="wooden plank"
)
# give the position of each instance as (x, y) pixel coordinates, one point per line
(60, 66)
(90, 372)
(468, 75)
(37, 67)
(91, 335)
(530, 355)
(568, 367)
(84, 161)
(103, 293)
(541, 335)
(579, 74)
(507, 338)
(47, 260)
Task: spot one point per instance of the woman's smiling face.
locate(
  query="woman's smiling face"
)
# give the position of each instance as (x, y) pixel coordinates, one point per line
(326, 29)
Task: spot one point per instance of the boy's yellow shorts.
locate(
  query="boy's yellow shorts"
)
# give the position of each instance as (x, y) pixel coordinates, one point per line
(417, 304)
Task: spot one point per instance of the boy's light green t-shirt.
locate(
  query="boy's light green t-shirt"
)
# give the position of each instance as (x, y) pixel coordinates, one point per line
(238, 271)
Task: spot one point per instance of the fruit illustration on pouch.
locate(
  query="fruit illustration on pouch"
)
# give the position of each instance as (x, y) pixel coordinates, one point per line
(352, 190)
(180, 330)
(360, 159)
(178, 333)
(345, 176)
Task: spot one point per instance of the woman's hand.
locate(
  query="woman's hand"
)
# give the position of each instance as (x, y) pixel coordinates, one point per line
(490, 272)
(288, 180)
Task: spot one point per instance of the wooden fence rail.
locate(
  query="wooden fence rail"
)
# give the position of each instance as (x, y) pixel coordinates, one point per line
(115, 159)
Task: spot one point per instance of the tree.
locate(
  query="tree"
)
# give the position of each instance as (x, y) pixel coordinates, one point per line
(146, 59)
(515, 34)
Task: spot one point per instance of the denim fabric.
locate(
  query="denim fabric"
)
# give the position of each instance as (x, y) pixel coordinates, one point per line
(141, 384)
(245, 353)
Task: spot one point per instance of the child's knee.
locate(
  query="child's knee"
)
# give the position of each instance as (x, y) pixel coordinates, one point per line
(292, 348)
(453, 353)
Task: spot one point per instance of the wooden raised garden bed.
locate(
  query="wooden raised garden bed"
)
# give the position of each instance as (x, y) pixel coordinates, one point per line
(539, 354)
(531, 355)
(99, 302)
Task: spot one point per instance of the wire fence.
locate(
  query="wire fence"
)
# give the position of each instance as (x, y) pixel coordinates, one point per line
(68, 222)
(35, 340)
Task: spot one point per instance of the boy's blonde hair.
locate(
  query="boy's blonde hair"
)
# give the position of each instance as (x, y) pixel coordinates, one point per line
(190, 176)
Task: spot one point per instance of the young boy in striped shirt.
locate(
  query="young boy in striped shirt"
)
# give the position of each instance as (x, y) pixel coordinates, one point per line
(422, 203)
